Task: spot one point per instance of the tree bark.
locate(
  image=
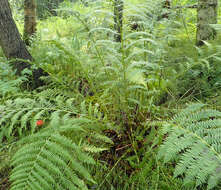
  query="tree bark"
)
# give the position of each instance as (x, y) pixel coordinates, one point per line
(13, 46)
(206, 15)
(29, 20)
(118, 19)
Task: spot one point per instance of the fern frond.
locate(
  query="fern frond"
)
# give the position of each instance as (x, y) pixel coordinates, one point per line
(194, 143)
(20, 115)
(49, 160)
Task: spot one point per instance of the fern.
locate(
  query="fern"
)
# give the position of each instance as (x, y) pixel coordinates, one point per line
(194, 143)
(20, 115)
(52, 157)
(49, 160)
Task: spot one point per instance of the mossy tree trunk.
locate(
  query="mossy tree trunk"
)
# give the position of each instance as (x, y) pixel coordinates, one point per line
(118, 19)
(206, 15)
(29, 20)
(13, 46)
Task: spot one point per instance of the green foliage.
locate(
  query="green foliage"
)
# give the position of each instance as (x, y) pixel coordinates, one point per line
(136, 165)
(54, 157)
(98, 86)
(49, 160)
(20, 115)
(130, 77)
(197, 74)
(193, 142)
(9, 83)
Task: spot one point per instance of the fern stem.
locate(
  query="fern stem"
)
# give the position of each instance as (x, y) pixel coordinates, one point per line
(112, 169)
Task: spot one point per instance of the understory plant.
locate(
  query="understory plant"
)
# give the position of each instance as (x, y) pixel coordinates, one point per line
(56, 153)
(100, 109)
(51, 160)
(193, 143)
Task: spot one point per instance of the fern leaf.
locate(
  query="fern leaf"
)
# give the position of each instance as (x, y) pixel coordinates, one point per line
(194, 143)
(50, 161)
(14, 120)
(35, 118)
(25, 118)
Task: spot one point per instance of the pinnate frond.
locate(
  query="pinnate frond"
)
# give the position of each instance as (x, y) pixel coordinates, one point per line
(193, 142)
(50, 160)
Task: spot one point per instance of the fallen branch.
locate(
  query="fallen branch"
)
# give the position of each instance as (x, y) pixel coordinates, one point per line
(194, 6)
(186, 7)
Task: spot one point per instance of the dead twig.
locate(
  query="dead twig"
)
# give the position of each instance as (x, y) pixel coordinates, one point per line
(194, 6)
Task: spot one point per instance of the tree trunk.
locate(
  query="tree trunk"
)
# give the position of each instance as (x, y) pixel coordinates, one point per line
(13, 46)
(29, 20)
(118, 19)
(206, 15)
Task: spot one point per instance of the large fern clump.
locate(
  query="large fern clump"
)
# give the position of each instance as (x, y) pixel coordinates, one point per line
(57, 156)
(193, 141)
